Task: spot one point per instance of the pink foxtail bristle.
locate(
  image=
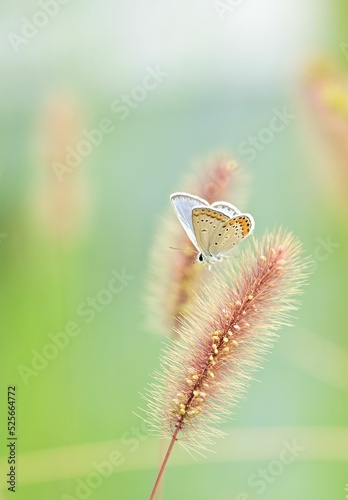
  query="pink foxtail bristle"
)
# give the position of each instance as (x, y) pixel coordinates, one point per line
(222, 339)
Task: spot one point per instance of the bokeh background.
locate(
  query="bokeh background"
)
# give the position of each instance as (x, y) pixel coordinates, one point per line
(69, 224)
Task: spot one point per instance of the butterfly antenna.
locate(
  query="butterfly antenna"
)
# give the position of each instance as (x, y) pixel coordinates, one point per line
(186, 250)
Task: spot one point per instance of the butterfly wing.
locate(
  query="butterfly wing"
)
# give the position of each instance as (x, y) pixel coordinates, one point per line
(206, 222)
(230, 233)
(183, 204)
(225, 208)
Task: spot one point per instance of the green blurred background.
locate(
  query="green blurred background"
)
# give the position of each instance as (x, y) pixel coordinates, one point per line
(65, 234)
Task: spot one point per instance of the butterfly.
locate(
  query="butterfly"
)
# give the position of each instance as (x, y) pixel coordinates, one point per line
(213, 229)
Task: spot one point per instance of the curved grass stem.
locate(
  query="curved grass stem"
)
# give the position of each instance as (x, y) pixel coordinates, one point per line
(164, 463)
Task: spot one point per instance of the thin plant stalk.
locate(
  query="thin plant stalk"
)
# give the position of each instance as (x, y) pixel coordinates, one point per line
(164, 463)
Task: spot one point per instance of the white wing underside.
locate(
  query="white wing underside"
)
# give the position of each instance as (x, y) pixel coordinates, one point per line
(183, 205)
(225, 208)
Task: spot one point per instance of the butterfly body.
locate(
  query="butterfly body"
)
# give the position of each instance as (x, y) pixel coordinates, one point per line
(213, 229)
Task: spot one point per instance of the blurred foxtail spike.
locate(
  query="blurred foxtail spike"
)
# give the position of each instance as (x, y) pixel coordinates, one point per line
(172, 278)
